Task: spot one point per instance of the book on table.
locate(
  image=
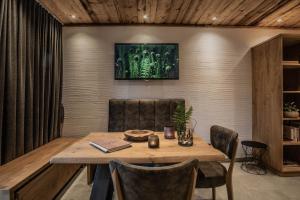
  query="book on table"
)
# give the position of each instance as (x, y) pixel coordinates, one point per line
(110, 145)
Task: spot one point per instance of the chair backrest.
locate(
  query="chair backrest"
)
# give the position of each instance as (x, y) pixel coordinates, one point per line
(224, 140)
(132, 182)
(151, 114)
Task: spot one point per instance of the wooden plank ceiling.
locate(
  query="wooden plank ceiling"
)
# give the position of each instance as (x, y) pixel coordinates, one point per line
(265, 13)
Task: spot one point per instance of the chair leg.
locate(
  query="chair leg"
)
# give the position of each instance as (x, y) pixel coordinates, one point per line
(229, 190)
(214, 193)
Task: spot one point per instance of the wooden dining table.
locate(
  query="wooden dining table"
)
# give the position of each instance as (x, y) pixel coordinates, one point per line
(81, 152)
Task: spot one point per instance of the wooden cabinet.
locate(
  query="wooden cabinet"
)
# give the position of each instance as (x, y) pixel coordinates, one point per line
(276, 80)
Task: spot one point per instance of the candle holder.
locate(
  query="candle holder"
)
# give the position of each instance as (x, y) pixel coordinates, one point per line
(169, 132)
(153, 141)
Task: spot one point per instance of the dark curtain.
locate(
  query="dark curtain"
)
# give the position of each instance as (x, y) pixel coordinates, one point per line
(30, 77)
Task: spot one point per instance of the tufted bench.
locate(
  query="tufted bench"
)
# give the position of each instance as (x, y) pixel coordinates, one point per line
(151, 114)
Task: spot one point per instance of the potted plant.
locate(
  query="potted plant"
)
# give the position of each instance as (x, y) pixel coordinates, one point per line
(181, 118)
(290, 110)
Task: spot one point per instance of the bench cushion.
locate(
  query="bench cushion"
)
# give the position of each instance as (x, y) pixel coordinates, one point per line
(131, 114)
(147, 117)
(117, 113)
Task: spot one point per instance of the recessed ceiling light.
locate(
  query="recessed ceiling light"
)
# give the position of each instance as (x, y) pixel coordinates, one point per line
(73, 16)
(279, 20)
(145, 16)
(214, 18)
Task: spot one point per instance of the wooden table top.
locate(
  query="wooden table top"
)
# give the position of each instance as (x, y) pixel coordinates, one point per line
(169, 152)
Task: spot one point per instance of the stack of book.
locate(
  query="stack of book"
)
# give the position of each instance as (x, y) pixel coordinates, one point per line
(291, 133)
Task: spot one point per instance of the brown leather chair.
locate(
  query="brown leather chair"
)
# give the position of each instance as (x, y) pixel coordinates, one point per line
(132, 182)
(214, 174)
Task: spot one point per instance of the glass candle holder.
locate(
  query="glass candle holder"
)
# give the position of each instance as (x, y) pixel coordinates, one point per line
(169, 132)
(153, 141)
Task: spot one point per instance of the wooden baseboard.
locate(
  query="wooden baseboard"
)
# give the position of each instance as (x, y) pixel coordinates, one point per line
(283, 174)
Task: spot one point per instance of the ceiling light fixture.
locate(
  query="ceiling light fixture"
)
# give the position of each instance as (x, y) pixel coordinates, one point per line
(73, 16)
(279, 20)
(145, 16)
(214, 18)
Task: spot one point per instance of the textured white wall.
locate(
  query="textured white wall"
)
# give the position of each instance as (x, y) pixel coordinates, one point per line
(215, 74)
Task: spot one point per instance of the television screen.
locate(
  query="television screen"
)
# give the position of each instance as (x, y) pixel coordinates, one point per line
(146, 61)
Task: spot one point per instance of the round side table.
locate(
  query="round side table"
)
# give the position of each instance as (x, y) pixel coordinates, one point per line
(254, 152)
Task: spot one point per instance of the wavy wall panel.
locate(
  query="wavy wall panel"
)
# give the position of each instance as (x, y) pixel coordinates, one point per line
(215, 74)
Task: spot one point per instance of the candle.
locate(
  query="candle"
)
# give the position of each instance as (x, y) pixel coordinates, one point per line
(153, 141)
(169, 132)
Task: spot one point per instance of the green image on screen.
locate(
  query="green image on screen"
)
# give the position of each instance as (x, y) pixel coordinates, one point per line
(146, 61)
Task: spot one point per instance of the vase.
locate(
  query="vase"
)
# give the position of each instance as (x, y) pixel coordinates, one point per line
(292, 114)
(185, 136)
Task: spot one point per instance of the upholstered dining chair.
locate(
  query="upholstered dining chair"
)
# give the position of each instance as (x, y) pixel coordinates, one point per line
(214, 174)
(132, 182)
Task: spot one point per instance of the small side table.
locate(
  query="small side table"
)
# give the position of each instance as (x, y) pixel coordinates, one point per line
(254, 152)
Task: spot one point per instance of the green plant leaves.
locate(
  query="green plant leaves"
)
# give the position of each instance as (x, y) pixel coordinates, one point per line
(290, 107)
(146, 61)
(181, 117)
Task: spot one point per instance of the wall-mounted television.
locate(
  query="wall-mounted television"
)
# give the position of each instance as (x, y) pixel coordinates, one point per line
(151, 61)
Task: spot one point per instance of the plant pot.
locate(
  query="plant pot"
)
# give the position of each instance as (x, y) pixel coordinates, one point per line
(292, 114)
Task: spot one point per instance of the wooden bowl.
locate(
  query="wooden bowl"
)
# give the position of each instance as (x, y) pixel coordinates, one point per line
(291, 114)
(138, 135)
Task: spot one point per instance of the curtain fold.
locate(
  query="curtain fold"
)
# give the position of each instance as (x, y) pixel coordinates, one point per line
(30, 77)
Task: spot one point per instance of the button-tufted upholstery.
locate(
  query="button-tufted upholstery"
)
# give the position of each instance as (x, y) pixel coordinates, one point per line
(151, 114)
(132, 182)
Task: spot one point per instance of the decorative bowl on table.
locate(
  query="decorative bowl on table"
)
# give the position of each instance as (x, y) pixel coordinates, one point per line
(138, 135)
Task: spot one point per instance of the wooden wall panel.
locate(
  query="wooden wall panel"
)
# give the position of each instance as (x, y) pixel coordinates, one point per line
(267, 99)
(215, 74)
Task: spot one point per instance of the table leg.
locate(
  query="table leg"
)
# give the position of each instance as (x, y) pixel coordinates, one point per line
(103, 186)
(91, 170)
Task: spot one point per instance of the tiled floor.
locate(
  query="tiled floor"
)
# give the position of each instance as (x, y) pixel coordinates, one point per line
(246, 187)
